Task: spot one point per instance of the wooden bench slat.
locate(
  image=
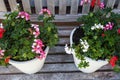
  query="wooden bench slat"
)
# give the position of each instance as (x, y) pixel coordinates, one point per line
(110, 3)
(74, 6)
(118, 5)
(63, 41)
(59, 58)
(96, 8)
(62, 7)
(57, 49)
(64, 67)
(64, 32)
(26, 5)
(2, 6)
(60, 18)
(13, 4)
(51, 6)
(38, 5)
(86, 8)
(63, 76)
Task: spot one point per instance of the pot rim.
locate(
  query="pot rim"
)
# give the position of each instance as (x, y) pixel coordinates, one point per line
(34, 59)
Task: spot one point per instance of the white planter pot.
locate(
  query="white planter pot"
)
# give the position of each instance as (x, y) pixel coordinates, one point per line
(31, 66)
(93, 64)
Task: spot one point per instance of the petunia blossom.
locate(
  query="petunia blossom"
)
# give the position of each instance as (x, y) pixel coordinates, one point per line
(1, 53)
(101, 5)
(36, 33)
(24, 15)
(84, 1)
(108, 26)
(37, 47)
(45, 11)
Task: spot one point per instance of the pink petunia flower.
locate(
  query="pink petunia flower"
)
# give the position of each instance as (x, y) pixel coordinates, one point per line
(84, 1)
(1, 53)
(101, 5)
(45, 11)
(24, 15)
(108, 26)
(36, 33)
(37, 47)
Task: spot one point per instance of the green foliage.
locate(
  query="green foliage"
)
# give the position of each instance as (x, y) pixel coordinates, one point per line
(100, 47)
(48, 31)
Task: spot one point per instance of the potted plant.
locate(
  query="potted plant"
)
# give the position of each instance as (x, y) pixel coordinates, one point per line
(96, 42)
(23, 44)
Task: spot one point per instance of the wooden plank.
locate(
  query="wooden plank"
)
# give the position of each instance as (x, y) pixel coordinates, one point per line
(51, 6)
(74, 6)
(2, 6)
(63, 76)
(64, 32)
(110, 3)
(63, 41)
(26, 5)
(86, 8)
(96, 8)
(38, 5)
(59, 58)
(62, 7)
(58, 67)
(60, 18)
(13, 4)
(65, 28)
(57, 50)
(118, 5)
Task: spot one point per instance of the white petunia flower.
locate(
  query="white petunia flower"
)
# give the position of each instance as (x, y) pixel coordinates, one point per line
(85, 45)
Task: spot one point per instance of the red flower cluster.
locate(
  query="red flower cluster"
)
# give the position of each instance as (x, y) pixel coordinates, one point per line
(113, 60)
(103, 35)
(118, 31)
(1, 32)
(7, 59)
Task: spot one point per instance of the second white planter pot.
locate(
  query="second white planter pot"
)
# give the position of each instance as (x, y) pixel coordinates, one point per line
(31, 66)
(93, 64)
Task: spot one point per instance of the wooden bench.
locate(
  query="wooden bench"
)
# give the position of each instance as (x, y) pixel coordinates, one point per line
(58, 65)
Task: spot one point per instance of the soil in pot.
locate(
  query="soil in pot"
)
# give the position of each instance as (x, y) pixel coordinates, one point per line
(77, 35)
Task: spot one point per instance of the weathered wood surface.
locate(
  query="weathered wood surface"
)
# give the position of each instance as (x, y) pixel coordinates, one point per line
(86, 8)
(111, 3)
(74, 7)
(26, 5)
(62, 7)
(13, 4)
(51, 6)
(59, 65)
(38, 5)
(2, 7)
(64, 10)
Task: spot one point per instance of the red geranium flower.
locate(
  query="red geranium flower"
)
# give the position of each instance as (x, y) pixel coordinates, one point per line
(7, 59)
(118, 31)
(1, 32)
(113, 60)
(103, 35)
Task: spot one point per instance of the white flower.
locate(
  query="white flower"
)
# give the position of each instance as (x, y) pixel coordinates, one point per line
(97, 26)
(85, 45)
(67, 49)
